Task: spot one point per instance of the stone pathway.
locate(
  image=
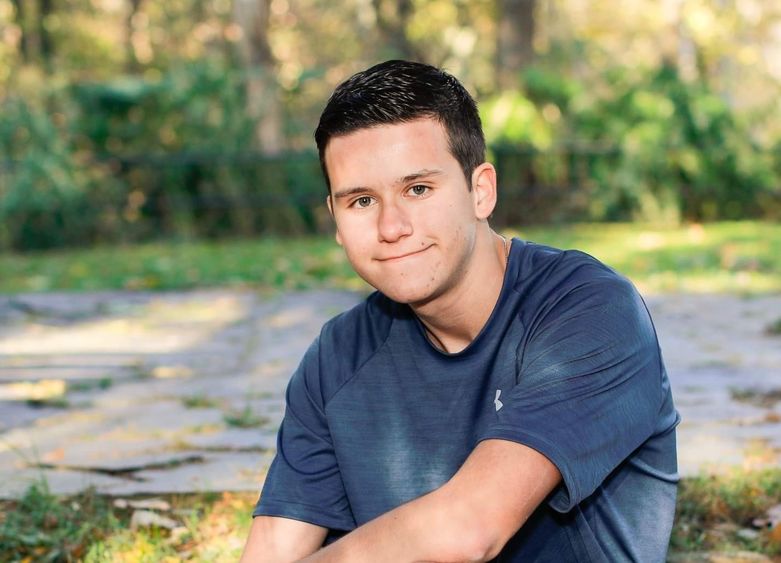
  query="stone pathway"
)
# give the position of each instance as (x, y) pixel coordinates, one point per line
(175, 392)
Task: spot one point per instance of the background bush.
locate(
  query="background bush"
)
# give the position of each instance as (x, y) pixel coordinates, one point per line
(135, 121)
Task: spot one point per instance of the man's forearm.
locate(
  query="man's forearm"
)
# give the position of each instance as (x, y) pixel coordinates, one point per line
(280, 540)
(431, 528)
(470, 518)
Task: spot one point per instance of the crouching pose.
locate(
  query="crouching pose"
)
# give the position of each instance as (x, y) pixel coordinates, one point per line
(494, 398)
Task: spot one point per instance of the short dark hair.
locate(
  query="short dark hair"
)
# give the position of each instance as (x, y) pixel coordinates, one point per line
(401, 91)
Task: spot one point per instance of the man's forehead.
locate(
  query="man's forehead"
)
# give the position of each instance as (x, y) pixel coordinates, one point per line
(398, 153)
(405, 127)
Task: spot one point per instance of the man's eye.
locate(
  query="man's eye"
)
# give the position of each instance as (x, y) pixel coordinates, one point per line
(418, 190)
(364, 201)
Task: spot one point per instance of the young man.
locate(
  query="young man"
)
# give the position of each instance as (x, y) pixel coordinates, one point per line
(493, 399)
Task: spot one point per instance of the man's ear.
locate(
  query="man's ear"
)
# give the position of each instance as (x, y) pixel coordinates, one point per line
(329, 202)
(484, 190)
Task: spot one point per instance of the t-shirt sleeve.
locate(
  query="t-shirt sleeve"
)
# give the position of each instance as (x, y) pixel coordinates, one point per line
(589, 386)
(304, 482)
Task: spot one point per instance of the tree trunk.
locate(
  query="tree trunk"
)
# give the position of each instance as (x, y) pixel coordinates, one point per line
(27, 39)
(392, 19)
(45, 9)
(515, 48)
(263, 102)
(131, 60)
(264, 108)
(24, 42)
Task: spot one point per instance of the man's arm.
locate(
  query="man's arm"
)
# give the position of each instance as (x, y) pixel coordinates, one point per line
(280, 540)
(470, 518)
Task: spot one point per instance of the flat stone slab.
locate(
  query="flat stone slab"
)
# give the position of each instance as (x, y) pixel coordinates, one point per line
(725, 370)
(183, 392)
(153, 392)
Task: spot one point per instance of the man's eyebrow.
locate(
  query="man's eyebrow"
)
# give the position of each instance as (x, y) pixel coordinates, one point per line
(347, 192)
(420, 174)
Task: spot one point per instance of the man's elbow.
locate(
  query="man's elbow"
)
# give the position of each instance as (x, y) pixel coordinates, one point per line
(477, 543)
(466, 533)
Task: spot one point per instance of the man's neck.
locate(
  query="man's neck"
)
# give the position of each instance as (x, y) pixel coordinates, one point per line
(455, 319)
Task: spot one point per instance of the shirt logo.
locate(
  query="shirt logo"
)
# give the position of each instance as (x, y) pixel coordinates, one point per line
(497, 403)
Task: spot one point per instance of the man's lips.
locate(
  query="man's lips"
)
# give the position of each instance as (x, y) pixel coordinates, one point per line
(400, 256)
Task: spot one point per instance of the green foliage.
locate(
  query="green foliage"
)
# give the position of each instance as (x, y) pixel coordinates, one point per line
(513, 119)
(134, 124)
(546, 87)
(711, 509)
(43, 527)
(136, 158)
(165, 155)
(48, 198)
(644, 144)
(88, 527)
(684, 153)
(167, 138)
(194, 105)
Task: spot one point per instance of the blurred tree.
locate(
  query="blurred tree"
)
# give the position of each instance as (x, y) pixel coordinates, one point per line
(131, 60)
(29, 38)
(393, 18)
(515, 48)
(263, 102)
(166, 98)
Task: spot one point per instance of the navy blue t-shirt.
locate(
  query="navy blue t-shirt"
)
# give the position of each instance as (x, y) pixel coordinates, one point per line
(568, 364)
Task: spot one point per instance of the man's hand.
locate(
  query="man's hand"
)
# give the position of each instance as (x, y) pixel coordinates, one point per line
(281, 540)
(470, 518)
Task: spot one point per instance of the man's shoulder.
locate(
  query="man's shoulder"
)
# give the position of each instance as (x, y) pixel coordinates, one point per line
(546, 271)
(345, 343)
(350, 338)
(365, 324)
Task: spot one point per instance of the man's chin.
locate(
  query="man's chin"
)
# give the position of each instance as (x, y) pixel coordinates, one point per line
(413, 298)
(404, 293)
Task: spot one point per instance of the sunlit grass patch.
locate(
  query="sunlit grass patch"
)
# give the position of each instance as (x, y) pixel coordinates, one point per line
(718, 513)
(742, 257)
(295, 263)
(729, 512)
(43, 527)
(216, 526)
(89, 527)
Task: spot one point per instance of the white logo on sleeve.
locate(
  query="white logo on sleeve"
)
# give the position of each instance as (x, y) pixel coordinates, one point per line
(497, 403)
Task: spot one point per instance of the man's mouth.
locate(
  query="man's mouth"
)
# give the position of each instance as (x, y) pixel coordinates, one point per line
(401, 256)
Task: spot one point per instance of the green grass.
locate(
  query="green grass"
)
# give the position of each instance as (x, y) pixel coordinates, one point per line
(245, 418)
(712, 514)
(739, 257)
(199, 402)
(42, 527)
(712, 510)
(742, 257)
(267, 263)
(89, 527)
(774, 328)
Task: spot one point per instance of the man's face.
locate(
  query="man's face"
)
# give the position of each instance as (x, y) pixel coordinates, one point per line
(404, 213)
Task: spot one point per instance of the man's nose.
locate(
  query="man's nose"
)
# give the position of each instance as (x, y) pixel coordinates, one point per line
(393, 223)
